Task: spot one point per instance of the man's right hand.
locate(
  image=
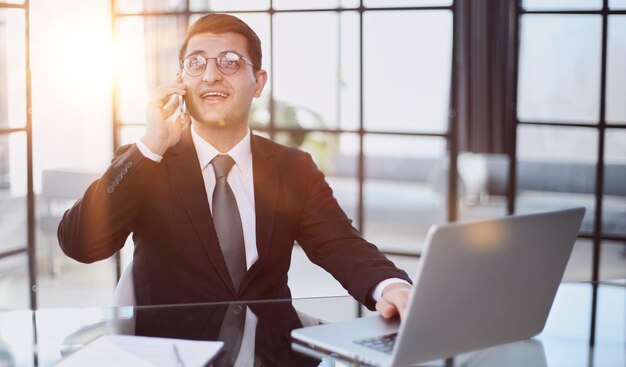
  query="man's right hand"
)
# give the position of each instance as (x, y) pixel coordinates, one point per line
(164, 126)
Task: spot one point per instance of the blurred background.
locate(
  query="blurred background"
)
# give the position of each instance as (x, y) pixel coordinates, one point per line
(523, 101)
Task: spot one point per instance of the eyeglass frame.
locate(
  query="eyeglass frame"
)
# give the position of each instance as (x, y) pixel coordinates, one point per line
(182, 62)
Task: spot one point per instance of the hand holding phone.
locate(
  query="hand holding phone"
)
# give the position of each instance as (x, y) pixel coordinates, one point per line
(164, 126)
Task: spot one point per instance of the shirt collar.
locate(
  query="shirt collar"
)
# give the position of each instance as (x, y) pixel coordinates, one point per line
(241, 153)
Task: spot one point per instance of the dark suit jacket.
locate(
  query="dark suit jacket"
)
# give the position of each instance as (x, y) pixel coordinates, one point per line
(177, 258)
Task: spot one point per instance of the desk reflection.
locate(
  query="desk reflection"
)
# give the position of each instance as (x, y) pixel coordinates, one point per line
(519, 354)
(255, 334)
(41, 338)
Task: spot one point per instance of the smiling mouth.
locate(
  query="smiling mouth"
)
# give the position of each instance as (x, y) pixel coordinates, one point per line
(213, 95)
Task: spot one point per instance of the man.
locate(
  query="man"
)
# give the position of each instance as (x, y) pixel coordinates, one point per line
(214, 210)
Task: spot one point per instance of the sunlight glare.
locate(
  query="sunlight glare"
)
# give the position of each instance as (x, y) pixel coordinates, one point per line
(486, 237)
(88, 57)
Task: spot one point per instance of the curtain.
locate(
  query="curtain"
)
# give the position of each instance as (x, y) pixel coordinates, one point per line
(485, 59)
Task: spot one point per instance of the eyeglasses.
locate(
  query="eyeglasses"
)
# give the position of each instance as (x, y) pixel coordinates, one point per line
(228, 63)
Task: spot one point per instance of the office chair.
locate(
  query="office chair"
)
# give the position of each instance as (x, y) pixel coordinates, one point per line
(122, 320)
(124, 294)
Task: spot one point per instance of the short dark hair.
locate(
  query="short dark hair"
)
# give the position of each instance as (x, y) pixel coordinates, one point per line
(224, 23)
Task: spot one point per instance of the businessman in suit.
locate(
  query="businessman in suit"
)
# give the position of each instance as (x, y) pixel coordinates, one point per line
(215, 210)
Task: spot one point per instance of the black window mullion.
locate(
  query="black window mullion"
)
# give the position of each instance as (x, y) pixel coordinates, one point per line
(597, 227)
(453, 128)
(116, 123)
(19, 250)
(12, 130)
(361, 131)
(30, 193)
(339, 72)
(13, 6)
(272, 102)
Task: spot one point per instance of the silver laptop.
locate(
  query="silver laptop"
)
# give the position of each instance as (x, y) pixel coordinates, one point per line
(478, 284)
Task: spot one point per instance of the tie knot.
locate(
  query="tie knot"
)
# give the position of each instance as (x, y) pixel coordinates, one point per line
(222, 164)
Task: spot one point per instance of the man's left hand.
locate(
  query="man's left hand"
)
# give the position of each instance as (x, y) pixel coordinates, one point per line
(393, 300)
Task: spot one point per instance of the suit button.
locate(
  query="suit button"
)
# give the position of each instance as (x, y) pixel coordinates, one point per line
(237, 309)
(129, 165)
(124, 171)
(110, 189)
(119, 178)
(115, 184)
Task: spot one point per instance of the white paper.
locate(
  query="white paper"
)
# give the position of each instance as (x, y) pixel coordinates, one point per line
(141, 351)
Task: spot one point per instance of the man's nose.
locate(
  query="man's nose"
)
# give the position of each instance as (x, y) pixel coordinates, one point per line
(212, 73)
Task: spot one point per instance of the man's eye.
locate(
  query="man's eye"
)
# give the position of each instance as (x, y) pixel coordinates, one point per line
(225, 61)
(196, 63)
(230, 58)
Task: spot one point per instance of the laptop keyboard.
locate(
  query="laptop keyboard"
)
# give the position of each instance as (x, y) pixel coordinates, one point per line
(383, 343)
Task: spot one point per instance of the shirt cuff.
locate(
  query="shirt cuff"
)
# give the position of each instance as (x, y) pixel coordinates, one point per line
(147, 152)
(378, 291)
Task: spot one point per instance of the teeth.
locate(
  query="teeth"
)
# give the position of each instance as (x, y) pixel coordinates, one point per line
(214, 94)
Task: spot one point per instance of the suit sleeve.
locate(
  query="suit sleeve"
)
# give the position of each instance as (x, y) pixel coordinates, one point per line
(98, 224)
(329, 240)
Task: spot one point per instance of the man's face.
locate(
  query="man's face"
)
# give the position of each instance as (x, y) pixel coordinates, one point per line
(217, 99)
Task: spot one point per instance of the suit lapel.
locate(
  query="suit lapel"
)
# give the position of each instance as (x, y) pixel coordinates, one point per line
(266, 188)
(182, 161)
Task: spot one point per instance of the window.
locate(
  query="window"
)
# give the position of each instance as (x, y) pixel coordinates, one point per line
(16, 204)
(572, 117)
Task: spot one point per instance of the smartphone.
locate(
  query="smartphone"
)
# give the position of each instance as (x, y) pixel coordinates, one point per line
(182, 106)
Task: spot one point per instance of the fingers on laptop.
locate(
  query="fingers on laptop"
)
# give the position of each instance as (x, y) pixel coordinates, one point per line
(385, 309)
(394, 300)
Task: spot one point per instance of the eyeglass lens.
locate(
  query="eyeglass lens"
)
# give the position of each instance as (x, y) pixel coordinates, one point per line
(227, 63)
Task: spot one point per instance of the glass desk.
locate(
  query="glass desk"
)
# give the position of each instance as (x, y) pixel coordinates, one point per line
(43, 337)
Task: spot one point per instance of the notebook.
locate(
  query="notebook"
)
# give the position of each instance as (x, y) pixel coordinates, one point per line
(141, 351)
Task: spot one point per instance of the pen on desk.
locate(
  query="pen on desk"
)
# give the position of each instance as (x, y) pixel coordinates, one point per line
(179, 360)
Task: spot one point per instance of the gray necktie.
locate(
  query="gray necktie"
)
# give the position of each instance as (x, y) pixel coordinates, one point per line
(231, 333)
(227, 221)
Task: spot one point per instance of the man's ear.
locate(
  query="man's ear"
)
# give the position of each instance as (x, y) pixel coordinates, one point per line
(261, 79)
